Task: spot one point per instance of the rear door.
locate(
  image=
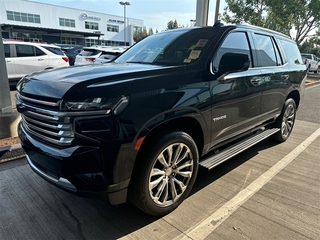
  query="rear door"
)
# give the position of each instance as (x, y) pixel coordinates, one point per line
(29, 59)
(274, 79)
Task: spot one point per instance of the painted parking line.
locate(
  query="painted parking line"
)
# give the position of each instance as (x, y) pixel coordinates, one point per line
(208, 225)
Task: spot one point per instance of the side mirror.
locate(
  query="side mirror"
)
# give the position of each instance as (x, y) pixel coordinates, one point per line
(234, 62)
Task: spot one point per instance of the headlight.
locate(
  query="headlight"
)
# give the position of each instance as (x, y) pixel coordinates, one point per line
(95, 104)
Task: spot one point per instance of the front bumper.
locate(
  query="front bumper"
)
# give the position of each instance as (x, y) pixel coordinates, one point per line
(78, 170)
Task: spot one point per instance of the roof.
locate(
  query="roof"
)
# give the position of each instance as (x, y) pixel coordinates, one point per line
(30, 43)
(21, 28)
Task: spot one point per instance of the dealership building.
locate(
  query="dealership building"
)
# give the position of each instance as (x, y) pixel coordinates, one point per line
(39, 22)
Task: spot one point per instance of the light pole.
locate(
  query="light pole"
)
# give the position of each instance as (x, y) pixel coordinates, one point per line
(125, 21)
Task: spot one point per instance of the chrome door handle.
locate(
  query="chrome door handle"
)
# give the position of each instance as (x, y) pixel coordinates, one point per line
(255, 81)
(284, 77)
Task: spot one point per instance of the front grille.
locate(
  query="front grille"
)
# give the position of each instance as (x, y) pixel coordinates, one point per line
(43, 121)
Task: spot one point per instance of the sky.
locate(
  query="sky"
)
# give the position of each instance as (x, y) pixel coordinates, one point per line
(155, 13)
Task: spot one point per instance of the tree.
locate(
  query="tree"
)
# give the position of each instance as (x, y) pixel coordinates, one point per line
(172, 24)
(139, 35)
(311, 45)
(150, 31)
(295, 18)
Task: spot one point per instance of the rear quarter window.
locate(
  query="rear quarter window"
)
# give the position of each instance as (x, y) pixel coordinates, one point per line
(291, 51)
(54, 50)
(267, 51)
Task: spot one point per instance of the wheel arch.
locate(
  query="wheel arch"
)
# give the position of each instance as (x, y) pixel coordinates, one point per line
(295, 95)
(188, 125)
(185, 124)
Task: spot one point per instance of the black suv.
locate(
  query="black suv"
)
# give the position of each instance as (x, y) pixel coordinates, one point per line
(140, 126)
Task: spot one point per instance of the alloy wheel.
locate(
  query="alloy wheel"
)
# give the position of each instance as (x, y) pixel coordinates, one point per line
(288, 120)
(170, 174)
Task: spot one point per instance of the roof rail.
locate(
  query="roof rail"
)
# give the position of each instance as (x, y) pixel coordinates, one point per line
(218, 23)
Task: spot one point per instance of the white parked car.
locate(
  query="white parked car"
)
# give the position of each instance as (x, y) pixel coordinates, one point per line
(23, 58)
(311, 61)
(97, 54)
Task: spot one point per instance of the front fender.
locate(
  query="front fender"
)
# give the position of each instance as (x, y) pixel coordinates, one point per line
(190, 120)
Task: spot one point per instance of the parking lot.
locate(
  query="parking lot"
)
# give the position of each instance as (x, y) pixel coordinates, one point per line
(267, 192)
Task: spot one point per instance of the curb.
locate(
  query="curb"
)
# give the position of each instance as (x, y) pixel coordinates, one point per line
(312, 83)
(13, 152)
(10, 153)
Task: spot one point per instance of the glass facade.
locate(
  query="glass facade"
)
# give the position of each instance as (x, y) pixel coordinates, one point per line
(23, 17)
(112, 28)
(67, 22)
(68, 40)
(92, 25)
(137, 29)
(90, 42)
(52, 24)
(27, 37)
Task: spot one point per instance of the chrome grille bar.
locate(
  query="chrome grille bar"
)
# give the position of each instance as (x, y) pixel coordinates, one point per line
(61, 142)
(44, 121)
(54, 104)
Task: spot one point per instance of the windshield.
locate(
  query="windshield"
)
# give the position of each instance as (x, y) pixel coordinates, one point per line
(89, 52)
(54, 50)
(169, 48)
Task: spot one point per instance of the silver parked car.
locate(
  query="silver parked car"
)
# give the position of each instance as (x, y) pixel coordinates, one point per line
(101, 54)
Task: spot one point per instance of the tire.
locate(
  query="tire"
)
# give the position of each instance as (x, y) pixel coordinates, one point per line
(166, 176)
(316, 71)
(285, 121)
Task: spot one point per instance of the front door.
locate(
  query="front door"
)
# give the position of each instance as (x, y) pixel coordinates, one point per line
(236, 96)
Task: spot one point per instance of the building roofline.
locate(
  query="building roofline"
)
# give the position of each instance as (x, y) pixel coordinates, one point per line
(42, 30)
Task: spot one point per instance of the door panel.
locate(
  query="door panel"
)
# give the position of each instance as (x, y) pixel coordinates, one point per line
(275, 76)
(236, 104)
(27, 62)
(235, 96)
(275, 85)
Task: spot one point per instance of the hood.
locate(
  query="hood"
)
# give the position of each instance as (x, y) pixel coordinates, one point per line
(55, 83)
(78, 74)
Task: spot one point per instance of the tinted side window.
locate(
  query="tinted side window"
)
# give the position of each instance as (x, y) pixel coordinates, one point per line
(39, 52)
(305, 56)
(77, 51)
(25, 51)
(236, 43)
(54, 50)
(266, 50)
(6, 50)
(89, 52)
(292, 52)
